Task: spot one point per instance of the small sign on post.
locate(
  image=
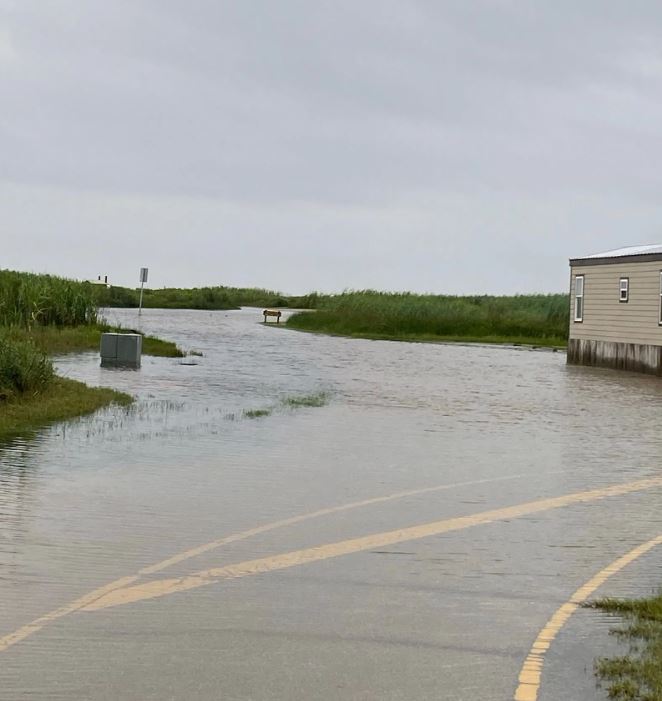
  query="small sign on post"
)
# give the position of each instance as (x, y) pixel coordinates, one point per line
(143, 280)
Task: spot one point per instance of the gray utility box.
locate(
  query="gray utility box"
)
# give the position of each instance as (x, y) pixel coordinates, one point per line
(121, 350)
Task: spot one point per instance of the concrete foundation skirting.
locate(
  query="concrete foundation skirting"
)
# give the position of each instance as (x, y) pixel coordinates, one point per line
(620, 356)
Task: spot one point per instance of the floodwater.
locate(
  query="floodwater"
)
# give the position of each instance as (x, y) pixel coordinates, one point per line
(437, 614)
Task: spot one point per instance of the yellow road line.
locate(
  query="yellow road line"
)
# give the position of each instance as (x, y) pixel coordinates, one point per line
(163, 587)
(193, 552)
(34, 626)
(529, 678)
(25, 631)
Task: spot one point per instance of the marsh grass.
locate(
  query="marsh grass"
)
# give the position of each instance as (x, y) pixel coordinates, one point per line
(60, 340)
(317, 399)
(527, 319)
(28, 300)
(24, 369)
(211, 298)
(636, 676)
(256, 413)
(62, 399)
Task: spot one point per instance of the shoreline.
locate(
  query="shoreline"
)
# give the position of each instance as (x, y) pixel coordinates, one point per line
(487, 341)
(66, 399)
(63, 400)
(58, 341)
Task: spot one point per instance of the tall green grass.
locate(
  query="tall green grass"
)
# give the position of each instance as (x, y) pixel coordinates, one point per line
(29, 300)
(539, 319)
(219, 297)
(24, 369)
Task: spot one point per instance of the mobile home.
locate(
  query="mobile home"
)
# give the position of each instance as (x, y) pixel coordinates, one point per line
(616, 309)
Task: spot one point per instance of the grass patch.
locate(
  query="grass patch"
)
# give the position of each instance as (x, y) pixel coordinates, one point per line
(73, 339)
(636, 676)
(62, 399)
(540, 320)
(158, 347)
(307, 400)
(256, 413)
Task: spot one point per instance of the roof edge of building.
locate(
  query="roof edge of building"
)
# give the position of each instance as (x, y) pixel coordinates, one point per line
(615, 260)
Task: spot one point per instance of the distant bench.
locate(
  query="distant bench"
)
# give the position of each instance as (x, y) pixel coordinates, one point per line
(272, 312)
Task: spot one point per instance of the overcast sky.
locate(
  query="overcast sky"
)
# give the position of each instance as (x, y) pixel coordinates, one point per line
(442, 146)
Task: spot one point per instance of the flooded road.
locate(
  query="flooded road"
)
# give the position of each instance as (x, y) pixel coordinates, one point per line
(223, 540)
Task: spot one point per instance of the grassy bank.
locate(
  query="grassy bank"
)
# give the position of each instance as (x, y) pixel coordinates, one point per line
(42, 315)
(636, 676)
(62, 399)
(57, 341)
(31, 395)
(527, 319)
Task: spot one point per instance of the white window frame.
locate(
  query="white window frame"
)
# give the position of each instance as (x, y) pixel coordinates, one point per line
(659, 316)
(579, 299)
(624, 299)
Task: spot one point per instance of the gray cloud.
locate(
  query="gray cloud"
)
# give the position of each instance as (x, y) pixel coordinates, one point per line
(450, 147)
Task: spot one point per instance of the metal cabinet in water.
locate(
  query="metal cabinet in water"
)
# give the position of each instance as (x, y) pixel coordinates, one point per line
(122, 350)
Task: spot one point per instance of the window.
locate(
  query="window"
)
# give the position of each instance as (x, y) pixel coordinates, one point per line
(659, 318)
(624, 289)
(579, 297)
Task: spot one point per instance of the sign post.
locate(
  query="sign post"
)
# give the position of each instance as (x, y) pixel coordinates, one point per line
(143, 280)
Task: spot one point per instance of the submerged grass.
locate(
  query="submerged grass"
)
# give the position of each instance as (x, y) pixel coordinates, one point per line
(317, 399)
(62, 399)
(636, 676)
(256, 413)
(526, 319)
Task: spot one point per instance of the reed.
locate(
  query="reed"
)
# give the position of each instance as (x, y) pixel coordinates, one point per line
(539, 319)
(29, 300)
(209, 298)
(24, 369)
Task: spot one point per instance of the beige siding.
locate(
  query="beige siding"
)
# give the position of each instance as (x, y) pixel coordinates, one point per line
(607, 319)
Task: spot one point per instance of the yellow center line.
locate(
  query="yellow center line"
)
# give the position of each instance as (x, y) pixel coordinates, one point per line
(34, 626)
(164, 587)
(529, 677)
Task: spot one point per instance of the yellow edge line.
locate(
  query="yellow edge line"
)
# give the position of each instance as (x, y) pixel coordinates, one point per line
(530, 675)
(163, 587)
(34, 626)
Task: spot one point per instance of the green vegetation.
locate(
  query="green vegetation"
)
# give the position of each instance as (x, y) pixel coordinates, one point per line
(636, 676)
(219, 297)
(24, 369)
(256, 413)
(540, 320)
(59, 315)
(41, 315)
(307, 400)
(527, 319)
(31, 395)
(29, 300)
(61, 399)
(59, 340)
